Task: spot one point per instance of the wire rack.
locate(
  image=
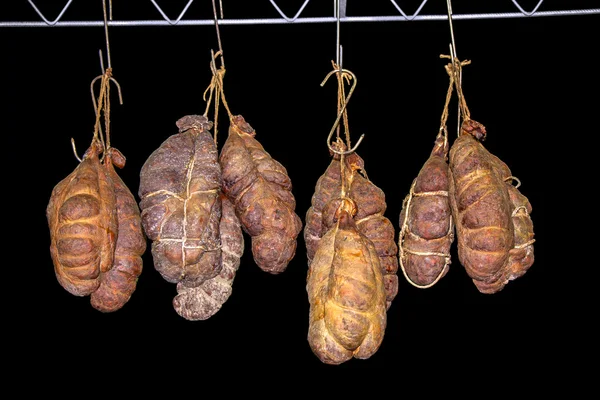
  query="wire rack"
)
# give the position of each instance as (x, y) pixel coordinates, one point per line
(397, 10)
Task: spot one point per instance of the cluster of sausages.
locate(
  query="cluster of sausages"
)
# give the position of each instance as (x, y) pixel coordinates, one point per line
(470, 192)
(352, 258)
(97, 240)
(195, 204)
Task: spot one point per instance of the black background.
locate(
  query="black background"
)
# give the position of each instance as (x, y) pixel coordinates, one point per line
(532, 82)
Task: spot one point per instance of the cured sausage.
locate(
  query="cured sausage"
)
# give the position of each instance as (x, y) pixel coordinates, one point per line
(426, 225)
(261, 191)
(180, 204)
(203, 301)
(346, 294)
(118, 284)
(82, 218)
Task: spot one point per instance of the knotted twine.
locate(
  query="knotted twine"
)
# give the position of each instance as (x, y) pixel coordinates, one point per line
(341, 100)
(216, 88)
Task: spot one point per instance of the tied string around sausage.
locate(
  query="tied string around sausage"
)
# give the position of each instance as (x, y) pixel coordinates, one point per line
(404, 228)
(519, 210)
(454, 69)
(215, 88)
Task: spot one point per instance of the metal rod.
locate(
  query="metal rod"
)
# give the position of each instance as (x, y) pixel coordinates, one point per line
(218, 32)
(292, 19)
(171, 21)
(282, 21)
(449, 5)
(44, 17)
(453, 58)
(337, 41)
(106, 33)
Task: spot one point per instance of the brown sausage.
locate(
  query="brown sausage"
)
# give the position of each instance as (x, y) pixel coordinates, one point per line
(482, 209)
(428, 233)
(346, 294)
(180, 205)
(261, 191)
(370, 220)
(118, 284)
(82, 219)
(203, 301)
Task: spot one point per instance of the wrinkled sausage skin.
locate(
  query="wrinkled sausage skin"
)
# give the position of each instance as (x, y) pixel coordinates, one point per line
(261, 191)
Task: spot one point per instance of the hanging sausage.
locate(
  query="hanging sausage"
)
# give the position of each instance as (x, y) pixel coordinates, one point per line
(369, 219)
(261, 192)
(182, 214)
(97, 240)
(82, 219)
(345, 280)
(259, 188)
(426, 225)
(346, 293)
(118, 284)
(493, 225)
(204, 300)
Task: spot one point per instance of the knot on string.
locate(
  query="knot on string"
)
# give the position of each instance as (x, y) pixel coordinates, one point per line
(216, 87)
(103, 107)
(344, 74)
(454, 69)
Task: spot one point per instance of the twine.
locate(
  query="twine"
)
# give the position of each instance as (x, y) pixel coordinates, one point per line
(521, 246)
(455, 68)
(403, 232)
(103, 107)
(341, 76)
(216, 87)
(514, 178)
(404, 229)
(445, 112)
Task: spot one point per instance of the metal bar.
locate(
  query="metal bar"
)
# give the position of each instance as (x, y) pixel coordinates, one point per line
(42, 16)
(276, 21)
(288, 19)
(172, 21)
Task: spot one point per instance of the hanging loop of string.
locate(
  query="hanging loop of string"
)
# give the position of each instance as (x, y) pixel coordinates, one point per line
(456, 70)
(215, 89)
(343, 100)
(103, 107)
(444, 119)
(104, 94)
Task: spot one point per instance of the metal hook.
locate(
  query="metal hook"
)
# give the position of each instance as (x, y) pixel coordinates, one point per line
(449, 5)
(106, 31)
(341, 113)
(454, 56)
(217, 28)
(340, 8)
